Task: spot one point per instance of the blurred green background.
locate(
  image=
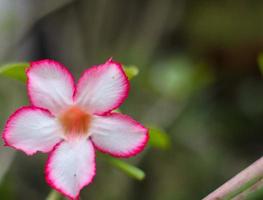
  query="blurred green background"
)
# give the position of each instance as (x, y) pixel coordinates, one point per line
(199, 81)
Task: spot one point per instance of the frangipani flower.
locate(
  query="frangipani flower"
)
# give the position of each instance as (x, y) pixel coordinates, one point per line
(72, 121)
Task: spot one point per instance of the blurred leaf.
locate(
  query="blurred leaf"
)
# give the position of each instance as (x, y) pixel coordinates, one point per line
(180, 77)
(117, 110)
(14, 71)
(17, 71)
(7, 190)
(159, 138)
(131, 71)
(260, 62)
(53, 195)
(6, 159)
(127, 168)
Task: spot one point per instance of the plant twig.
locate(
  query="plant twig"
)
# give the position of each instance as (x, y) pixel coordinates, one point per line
(239, 183)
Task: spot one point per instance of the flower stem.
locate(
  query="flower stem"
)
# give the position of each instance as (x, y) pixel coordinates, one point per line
(53, 195)
(242, 182)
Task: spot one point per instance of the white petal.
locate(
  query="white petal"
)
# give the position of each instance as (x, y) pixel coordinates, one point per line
(31, 129)
(118, 135)
(50, 85)
(71, 166)
(102, 88)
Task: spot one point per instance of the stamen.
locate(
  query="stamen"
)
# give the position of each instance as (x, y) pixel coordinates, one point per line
(75, 121)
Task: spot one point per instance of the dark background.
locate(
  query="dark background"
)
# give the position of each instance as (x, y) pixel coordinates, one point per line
(199, 80)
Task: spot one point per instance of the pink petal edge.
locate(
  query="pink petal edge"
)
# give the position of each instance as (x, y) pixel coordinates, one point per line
(13, 117)
(126, 84)
(58, 65)
(137, 149)
(51, 182)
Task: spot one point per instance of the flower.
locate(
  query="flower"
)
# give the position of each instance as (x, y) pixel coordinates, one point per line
(71, 121)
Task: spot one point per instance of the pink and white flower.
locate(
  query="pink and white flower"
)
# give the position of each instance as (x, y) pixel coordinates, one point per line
(71, 121)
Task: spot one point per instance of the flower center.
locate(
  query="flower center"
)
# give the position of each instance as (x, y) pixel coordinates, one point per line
(75, 121)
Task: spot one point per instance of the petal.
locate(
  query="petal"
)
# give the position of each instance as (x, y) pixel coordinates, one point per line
(71, 166)
(118, 135)
(31, 129)
(50, 85)
(102, 88)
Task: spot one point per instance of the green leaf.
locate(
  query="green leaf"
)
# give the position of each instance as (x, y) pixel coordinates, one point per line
(159, 138)
(127, 168)
(260, 62)
(131, 71)
(14, 71)
(180, 77)
(17, 71)
(53, 195)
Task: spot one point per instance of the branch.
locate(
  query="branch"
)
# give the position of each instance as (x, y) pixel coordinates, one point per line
(239, 183)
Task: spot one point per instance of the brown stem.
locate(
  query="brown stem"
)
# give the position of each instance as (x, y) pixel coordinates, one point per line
(239, 183)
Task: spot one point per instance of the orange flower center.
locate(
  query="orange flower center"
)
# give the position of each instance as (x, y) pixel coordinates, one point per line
(75, 121)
